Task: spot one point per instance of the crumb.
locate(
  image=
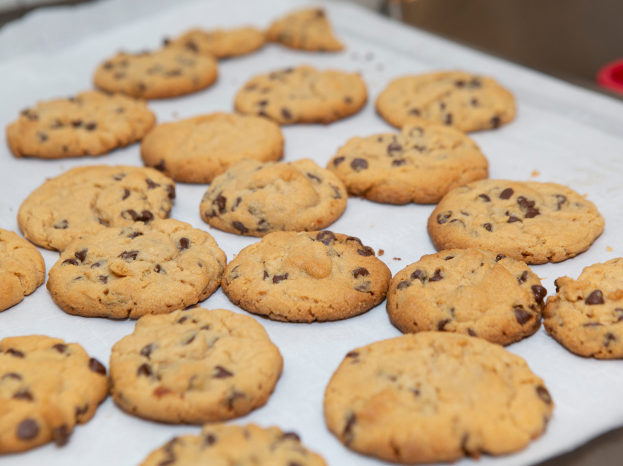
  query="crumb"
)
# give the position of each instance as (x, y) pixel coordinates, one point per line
(609, 248)
(535, 173)
(397, 258)
(381, 252)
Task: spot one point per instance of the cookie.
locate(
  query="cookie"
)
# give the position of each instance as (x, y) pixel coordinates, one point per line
(47, 386)
(307, 29)
(586, 315)
(198, 149)
(306, 277)
(254, 199)
(435, 396)
(247, 445)
(194, 366)
(168, 72)
(132, 271)
(85, 200)
(465, 101)
(22, 269)
(420, 164)
(302, 95)
(529, 221)
(220, 43)
(92, 123)
(468, 291)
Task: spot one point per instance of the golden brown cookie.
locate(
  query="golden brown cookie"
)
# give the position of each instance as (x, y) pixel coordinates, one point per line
(220, 43)
(307, 29)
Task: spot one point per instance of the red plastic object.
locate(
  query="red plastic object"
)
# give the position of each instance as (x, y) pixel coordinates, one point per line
(611, 76)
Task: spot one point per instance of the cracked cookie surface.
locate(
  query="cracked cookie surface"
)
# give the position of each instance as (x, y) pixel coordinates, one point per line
(455, 98)
(197, 149)
(254, 199)
(22, 269)
(47, 386)
(586, 315)
(85, 200)
(194, 366)
(167, 72)
(467, 291)
(220, 43)
(247, 445)
(435, 396)
(420, 164)
(529, 221)
(307, 29)
(141, 269)
(302, 95)
(92, 123)
(306, 277)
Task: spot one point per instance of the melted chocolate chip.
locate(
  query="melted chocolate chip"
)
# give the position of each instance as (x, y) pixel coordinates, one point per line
(507, 193)
(415, 111)
(103, 278)
(126, 194)
(543, 394)
(81, 255)
(62, 225)
(209, 440)
(596, 297)
(160, 166)
(221, 373)
(418, 275)
(240, 227)
(184, 243)
(471, 332)
(394, 149)
(513, 219)
(443, 217)
(70, 261)
(441, 325)
(311, 176)
(146, 216)
(11, 375)
(287, 114)
(60, 347)
(521, 315)
(221, 203)
(23, 395)
(523, 277)
(448, 119)
(398, 162)
(147, 350)
(158, 268)
(352, 354)
(170, 191)
(609, 338)
(60, 435)
(144, 370)
(499, 257)
(484, 197)
(97, 366)
(436, 276)
(28, 429)
(338, 160)
(403, 284)
(15, 353)
(495, 122)
(359, 164)
(365, 251)
(360, 272)
(279, 278)
(539, 293)
(91, 126)
(487, 226)
(326, 237)
(129, 255)
(560, 200)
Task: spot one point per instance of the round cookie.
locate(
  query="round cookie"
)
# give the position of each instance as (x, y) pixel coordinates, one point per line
(85, 200)
(167, 72)
(194, 366)
(420, 164)
(220, 43)
(306, 277)
(467, 291)
(92, 123)
(586, 315)
(198, 149)
(307, 29)
(132, 271)
(254, 199)
(302, 95)
(22, 269)
(47, 386)
(529, 221)
(247, 445)
(435, 396)
(465, 101)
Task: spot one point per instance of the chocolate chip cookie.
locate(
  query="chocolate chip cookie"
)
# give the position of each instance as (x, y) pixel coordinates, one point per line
(467, 291)
(91, 123)
(22, 269)
(302, 95)
(198, 149)
(239, 445)
(254, 199)
(132, 271)
(85, 200)
(194, 366)
(306, 277)
(168, 72)
(420, 164)
(463, 100)
(586, 315)
(435, 396)
(529, 221)
(307, 29)
(47, 386)
(220, 43)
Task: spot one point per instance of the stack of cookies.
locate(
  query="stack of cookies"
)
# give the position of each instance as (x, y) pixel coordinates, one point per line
(445, 390)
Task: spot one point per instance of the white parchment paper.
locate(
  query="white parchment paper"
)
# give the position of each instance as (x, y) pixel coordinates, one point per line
(566, 134)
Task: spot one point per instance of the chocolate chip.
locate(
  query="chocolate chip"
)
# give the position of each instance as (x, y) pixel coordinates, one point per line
(158, 269)
(221, 373)
(28, 429)
(146, 216)
(336, 192)
(513, 219)
(160, 166)
(90, 126)
(609, 339)
(394, 149)
(365, 251)
(359, 164)
(448, 119)
(151, 184)
(415, 111)
(15, 353)
(360, 272)
(436, 276)
(147, 350)
(184, 243)
(62, 225)
(70, 261)
(418, 275)
(209, 440)
(441, 325)
(76, 123)
(523, 277)
(348, 100)
(286, 113)
(326, 237)
(11, 375)
(60, 435)
(484, 197)
(543, 394)
(81, 255)
(459, 83)
(103, 278)
(499, 257)
(347, 433)
(231, 399)
(290, 436)
(135, 234)
(60, 347)
(507, 193)
(487, 226)
(338, 160)
(118, 176)
(592, 324)
(129, 255)
(560, 200)
(240, 227)
(97, 366)
(495, 122)
(311, 176)
(596, 297)
(279, 278)
(474, 102)
(471, 332)
(521, 314)
(532, 212)
(23, 394)
(42, 136)
(81, 410)
(144, 370)
(352, 354)
(170, 191)
(126, 194)
(539, 293)
(174, 72)
(403, 284)
(398, 162)
(475, 83)
(443, 217)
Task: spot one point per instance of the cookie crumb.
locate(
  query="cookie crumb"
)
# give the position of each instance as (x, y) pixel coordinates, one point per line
(397, 258)
(535, 173)
(609, 248)
(381, 252)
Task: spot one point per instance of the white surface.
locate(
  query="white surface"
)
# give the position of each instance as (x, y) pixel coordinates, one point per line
(569, 135)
